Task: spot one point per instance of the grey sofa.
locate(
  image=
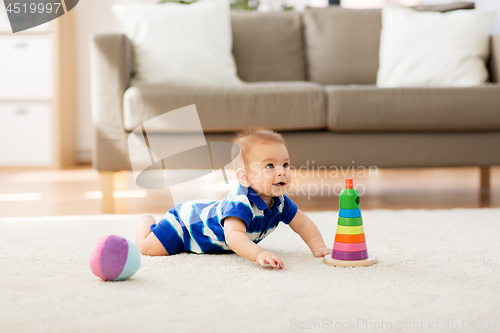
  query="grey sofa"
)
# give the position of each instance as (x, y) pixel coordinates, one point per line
(311, 76)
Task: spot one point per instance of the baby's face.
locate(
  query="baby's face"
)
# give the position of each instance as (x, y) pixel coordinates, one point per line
(269, 169)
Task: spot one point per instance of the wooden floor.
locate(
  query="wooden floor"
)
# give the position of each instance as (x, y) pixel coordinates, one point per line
(77, 191)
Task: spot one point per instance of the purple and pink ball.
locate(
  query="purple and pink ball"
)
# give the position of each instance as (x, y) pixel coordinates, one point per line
(114, 258)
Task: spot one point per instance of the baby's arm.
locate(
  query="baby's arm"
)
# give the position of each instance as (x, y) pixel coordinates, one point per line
(237, 239)
(308, 231)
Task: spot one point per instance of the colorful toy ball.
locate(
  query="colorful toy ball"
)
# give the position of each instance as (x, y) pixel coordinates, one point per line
(114, 258)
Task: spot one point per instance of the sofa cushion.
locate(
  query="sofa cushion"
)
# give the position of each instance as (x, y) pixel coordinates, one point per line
(280, 106)
(180, 44)
(368, 108)
(268, 46)
(342, 45)
(434, 49)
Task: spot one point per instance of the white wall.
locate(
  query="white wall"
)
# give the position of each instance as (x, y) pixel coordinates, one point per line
(439, 2)
(91, 17)
(493, 5)
(377, 3)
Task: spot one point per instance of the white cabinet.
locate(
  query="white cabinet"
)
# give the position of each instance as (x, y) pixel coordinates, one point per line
(26, 67)
(37, 95)
(26, 134)
(26, 94)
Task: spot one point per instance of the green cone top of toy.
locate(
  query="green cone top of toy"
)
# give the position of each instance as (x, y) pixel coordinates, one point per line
(349, 196)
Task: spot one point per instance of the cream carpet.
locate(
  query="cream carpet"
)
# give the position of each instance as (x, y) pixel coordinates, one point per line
(437, 269)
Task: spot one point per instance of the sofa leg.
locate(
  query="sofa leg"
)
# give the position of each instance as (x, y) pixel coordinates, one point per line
(484, 190)
(107, 187)
(485, 178)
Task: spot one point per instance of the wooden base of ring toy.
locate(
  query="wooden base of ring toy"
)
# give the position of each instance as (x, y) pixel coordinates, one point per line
(349, 263)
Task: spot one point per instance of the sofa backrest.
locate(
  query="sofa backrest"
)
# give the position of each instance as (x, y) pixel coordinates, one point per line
(268, 46)
(342, 44)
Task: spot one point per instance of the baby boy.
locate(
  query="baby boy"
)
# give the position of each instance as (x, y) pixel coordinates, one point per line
(249, 213)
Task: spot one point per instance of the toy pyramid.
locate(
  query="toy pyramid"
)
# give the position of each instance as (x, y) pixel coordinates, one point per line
(349, 246)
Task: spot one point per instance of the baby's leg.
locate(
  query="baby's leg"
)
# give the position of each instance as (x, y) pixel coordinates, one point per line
(146, 241)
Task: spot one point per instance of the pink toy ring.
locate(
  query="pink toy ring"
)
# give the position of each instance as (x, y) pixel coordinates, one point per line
(349, 247)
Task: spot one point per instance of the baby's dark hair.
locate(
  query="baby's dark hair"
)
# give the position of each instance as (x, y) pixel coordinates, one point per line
(247, 138)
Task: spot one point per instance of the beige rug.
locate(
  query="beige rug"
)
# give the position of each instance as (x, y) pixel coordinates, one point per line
(437, 269)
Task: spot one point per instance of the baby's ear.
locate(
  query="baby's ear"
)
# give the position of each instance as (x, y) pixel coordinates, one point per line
(241, 175)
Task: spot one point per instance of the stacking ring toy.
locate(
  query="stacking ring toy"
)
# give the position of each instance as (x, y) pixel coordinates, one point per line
(349, 246)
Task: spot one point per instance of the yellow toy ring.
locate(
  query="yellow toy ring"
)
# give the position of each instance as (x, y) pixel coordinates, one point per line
(356, 230)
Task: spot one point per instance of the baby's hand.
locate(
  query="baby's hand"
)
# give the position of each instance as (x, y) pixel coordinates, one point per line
(266, 257)
(322, 251)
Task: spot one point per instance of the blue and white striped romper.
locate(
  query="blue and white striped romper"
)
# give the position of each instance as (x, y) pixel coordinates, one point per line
(196, 226)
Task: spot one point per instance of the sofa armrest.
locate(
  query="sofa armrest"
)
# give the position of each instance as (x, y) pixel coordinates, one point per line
(110, 70)
(494, 65)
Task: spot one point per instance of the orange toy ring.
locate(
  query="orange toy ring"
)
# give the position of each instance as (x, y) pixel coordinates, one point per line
(342, 238)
